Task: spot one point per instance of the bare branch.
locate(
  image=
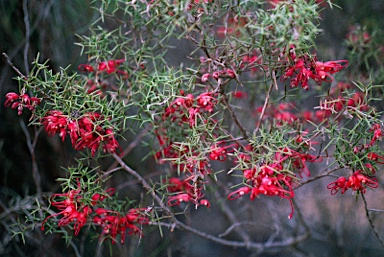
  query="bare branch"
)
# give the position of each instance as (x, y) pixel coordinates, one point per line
(265, 105)
(14, 68)
(371, 222)
(31, 147)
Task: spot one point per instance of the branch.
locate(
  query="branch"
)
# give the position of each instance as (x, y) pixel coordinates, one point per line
(317, 177)
(14, 68)
(180, 225)
(232, 217)
(371, 222)
(31, 147)
(27, 35)
(132, 145)
(266, 102)
(233, 115)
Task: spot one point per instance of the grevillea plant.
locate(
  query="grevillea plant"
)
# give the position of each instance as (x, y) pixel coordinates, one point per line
(251, 112)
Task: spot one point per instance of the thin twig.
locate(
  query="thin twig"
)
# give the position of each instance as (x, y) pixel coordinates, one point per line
(31, 147)
(14, 68)
(232, 217)
(27, 35)
(235, 226)
(317, 177)
(375, 210)
(371, 222)
(244, 132)
(131, 146)
(264, 106)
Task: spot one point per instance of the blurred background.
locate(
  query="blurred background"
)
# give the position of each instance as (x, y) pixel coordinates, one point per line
(338, 224)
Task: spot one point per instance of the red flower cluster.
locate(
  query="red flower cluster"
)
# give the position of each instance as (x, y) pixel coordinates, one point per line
(266, 180)
(21, 101)
(85, 132)
(219, 151)
(336, 103)
(282, 113)
(377, 133)
(187, 190)
(186, 109)
(76, 211)
(301, 68)
(109, 67)
(233, 26)
(113, 223)
(375, 157)
(72, 208)
(270, 179)
(357, 182)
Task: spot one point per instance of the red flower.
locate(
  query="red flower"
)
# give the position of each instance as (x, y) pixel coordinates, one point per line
(184, 191)
(10, 98)
(375, 157)
(72, 210)
(335, 186)
(206, 101)
(113, 223)
(357, 182)
(84, 132)
(377, 133)
(239, 192)
(107, 66)
(219, 151)
(20, 101)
